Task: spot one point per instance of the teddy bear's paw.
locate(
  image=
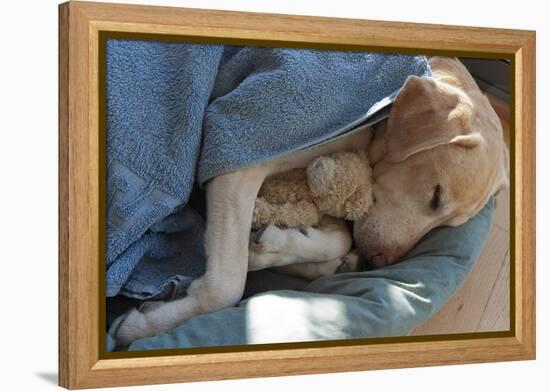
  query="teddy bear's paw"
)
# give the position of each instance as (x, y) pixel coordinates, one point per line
(349, 263)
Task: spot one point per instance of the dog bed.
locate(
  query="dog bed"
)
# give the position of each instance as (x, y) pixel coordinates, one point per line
(381, 303)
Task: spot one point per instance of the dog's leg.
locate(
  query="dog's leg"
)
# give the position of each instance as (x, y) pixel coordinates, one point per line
(278, 247)
(230, 202)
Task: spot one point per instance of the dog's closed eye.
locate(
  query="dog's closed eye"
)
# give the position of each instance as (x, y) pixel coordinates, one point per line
(435, 202)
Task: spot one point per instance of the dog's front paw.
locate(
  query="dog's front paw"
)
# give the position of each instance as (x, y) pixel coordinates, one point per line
(269, 239)
(135, 324)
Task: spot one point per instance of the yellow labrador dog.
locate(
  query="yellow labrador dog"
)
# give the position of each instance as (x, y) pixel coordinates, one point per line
(436, 161)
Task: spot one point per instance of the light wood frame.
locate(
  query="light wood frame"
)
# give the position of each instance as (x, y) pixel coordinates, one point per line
(81, 363)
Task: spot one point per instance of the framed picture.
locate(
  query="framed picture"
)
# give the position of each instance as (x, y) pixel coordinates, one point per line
(247, 195)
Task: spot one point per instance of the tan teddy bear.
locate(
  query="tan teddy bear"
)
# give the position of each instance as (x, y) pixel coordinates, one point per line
(338, 185)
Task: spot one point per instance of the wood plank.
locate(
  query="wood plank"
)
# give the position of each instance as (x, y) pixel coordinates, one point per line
(64, 353)
(464, 310)
(524, 162)
(496, 316)
(501, 216)
(399, 36)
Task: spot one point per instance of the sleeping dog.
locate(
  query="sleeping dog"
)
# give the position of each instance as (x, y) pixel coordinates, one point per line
(436, 161)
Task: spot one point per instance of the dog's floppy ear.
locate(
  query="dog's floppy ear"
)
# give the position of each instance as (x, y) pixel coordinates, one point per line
(425, 114)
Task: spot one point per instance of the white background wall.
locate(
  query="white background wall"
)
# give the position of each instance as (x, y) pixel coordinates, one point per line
(28, 193)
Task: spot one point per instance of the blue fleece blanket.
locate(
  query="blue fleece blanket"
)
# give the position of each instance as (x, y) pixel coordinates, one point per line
(179, 114)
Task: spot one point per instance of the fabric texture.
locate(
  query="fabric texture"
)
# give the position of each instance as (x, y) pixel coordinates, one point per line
(179, 114)
(382, 303)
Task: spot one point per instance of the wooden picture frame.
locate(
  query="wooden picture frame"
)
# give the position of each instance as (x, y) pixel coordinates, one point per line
(82, 363)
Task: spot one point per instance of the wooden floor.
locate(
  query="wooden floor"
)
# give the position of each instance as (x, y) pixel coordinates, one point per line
(482, 303)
